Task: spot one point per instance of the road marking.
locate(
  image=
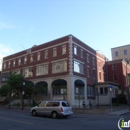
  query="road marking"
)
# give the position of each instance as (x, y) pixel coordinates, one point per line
(16, 120)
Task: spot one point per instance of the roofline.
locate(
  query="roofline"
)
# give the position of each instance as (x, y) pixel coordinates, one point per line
(107, 82)
(120, 46)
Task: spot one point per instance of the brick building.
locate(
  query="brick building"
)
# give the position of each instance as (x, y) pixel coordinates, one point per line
(62, 65)
(117, 72)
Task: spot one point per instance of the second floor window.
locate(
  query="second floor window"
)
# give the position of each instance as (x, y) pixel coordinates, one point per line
(63, 50)
(78, 67)
(113, 67)
(88, 71)
(114, 77)
(94, 74)
(42, 70)
(100, 75)
(93, 61)
(59, 67)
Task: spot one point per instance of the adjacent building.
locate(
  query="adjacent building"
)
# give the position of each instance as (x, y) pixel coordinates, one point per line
(121, 52)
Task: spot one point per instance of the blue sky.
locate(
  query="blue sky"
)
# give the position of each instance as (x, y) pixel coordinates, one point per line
(101, 24)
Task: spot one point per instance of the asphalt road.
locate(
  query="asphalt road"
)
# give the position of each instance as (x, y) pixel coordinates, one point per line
(11, 119)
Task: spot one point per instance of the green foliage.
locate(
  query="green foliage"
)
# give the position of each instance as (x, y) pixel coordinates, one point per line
(29, 89)
(15, 80)
(4, 90)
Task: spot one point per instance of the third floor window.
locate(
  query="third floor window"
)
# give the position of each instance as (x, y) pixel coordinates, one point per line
(54, 52)
(46, 55)
(125, 52)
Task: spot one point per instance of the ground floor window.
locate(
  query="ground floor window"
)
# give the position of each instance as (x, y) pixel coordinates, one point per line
(90, 90)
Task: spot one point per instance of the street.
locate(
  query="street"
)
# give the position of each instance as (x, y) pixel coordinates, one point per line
(11, 119)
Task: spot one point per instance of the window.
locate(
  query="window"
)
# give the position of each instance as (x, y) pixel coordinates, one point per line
(54, 52)
(38, 57)
(79, 90)
(87, 58)
(4, 65)
(59, 67)
(93, 61)
(53, 104)
(100, 76)
(63, 49)
(88, 71)
(42, 70)
(16, 71)
(31, 58)
(94, 74)
(90, 90)
(116, 53)
(28, 72)
(78, 67)
(42, 104)
(99, 64)
(13, 63)
(46, 55)
(125, 52)
(103, 91)
(64, 104)
(113, 67)
(19, 61)
(75, 50)
(25, 60)
(57, 90)
(114, 77)
(9, 63)
(81, 51)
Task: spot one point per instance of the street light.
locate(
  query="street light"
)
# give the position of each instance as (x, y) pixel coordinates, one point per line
(111, 97)
(23, 96)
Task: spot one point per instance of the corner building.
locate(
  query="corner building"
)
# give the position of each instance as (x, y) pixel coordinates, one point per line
(66, 67)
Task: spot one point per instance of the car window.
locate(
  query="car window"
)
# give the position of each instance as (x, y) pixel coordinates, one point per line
(52, 104)
(65, 104)
(42, 104)
(68, 103)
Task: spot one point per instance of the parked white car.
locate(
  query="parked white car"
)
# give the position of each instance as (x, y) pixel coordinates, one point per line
(53, 109)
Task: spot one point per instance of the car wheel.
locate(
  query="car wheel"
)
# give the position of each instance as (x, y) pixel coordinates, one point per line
(34, 113)
(54, 115)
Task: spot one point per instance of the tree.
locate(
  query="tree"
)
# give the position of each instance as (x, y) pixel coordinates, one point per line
(4, 90)
(14, 82)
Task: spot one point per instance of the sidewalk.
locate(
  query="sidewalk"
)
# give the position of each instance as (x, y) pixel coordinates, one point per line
(121, 112)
